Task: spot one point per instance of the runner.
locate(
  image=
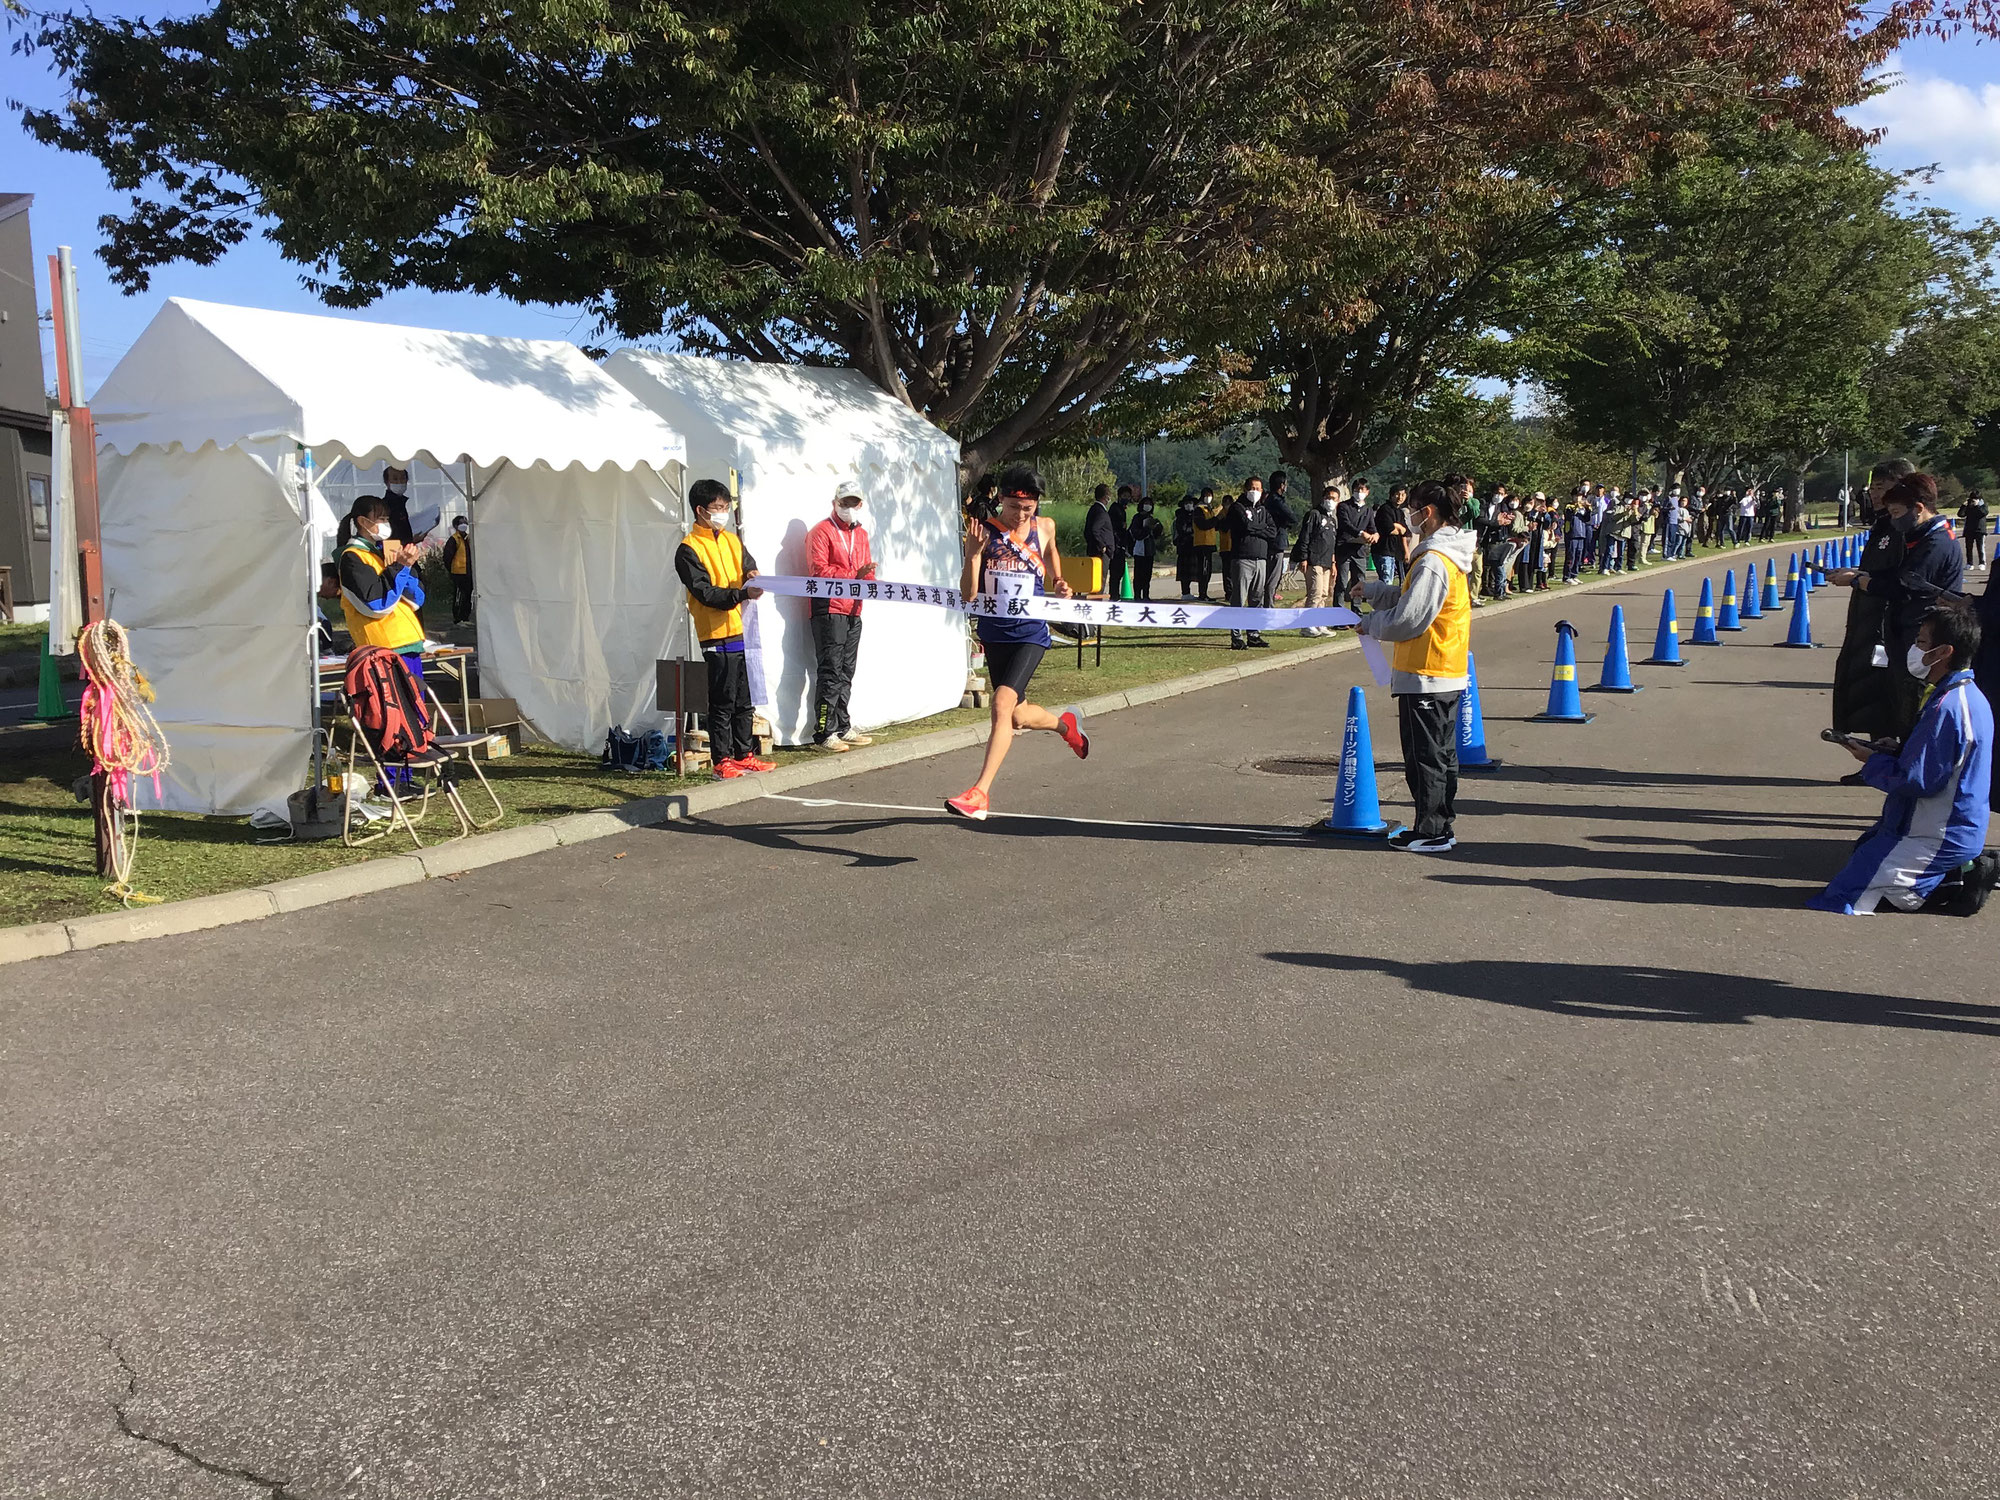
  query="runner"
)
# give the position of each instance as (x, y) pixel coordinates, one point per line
(1018, 542)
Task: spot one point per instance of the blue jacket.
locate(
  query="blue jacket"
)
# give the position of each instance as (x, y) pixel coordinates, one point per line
(1932, 564)
(1936, 805)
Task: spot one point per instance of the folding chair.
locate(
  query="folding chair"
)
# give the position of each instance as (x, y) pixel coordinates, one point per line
(434, 768)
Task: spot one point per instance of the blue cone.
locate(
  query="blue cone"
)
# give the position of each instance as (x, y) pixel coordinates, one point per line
(1819, 566)
(1772, 598)
(1667, 644)
(1792, 579)
(1752, 610)
(1704, 617)
(1800, 635)
(1472, 754)
(1729, 618)
(1806, 584)
(1357, 811)
(1565, 702)
(1617, 674)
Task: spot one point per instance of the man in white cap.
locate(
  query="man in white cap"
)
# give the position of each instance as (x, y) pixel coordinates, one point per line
(837, 548)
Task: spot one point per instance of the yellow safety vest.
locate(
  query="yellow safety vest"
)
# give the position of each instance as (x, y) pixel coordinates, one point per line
(1442, 650)
(721, 553)
(1204, 525)
(398, 630)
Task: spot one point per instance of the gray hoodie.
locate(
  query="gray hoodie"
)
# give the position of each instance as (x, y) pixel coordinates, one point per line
(1404, 613)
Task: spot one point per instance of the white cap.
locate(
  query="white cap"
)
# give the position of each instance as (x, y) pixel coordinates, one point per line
(847, 489)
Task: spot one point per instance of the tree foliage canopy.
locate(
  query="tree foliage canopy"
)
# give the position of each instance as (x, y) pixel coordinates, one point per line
(1022, 217)
(1766, 302)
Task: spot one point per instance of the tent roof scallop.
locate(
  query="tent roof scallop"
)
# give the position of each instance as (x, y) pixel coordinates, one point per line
(206, 372)
(801, 419)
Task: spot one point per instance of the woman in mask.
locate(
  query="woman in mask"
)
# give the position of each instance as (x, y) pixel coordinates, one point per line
(1011, 557)
(379, 593)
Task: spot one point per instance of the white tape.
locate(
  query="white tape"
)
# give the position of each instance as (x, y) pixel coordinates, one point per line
(1017, 601)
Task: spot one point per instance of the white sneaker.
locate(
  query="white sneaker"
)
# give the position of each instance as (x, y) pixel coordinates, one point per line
(854, 739)
(1430, 846)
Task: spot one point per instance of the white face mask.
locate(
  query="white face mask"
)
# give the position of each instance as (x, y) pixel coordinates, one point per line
(1913, 659)
(397, 487)
(716, 520)
(849, 514)
(380, 531)
(1253, 497)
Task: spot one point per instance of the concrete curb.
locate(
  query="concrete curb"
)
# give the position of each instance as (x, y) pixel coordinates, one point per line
(48, 939)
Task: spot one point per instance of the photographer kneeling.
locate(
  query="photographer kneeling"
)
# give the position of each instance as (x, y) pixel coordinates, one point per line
(1937, 786)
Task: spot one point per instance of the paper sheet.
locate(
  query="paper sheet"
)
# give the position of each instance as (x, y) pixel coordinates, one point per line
(1377, 657)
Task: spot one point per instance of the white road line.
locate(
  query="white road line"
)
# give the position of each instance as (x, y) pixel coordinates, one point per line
(939, 812)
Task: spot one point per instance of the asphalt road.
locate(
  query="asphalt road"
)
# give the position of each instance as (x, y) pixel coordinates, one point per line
(844, 1150)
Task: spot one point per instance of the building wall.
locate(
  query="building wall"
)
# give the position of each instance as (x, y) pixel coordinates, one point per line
(24, 425)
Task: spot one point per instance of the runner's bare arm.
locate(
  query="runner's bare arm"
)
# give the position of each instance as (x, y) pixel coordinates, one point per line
(973, 542)
(1052, 561)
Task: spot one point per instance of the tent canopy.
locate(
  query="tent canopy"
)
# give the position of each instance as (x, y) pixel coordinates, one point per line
(796, 418)
(792, 433)
(212, 428)
(204, 372)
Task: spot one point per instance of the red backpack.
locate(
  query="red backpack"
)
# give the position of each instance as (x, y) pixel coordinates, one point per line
(384, 699)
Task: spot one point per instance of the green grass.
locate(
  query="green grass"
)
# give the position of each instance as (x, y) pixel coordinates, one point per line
(45, 835)
(22, 638)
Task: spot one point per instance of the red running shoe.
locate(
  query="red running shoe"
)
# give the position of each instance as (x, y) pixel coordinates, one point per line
(1070, 727)
(970, 803)
(756, 763)
(729, 770)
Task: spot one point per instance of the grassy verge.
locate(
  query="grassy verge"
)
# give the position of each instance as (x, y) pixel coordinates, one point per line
(45, 833)
(25, 640)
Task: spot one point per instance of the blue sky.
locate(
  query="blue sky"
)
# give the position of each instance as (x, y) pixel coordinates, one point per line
(1945, 111)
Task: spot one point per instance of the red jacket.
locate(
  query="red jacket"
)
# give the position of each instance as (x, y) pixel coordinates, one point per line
(837, 551)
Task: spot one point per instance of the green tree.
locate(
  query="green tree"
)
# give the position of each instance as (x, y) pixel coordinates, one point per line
(1749, 289)
(1017, 217)
(1937, 390)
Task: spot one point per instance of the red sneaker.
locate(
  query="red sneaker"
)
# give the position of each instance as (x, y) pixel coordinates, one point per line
(756, 763)
(970, 803)
(1070, 727)
(729, 770)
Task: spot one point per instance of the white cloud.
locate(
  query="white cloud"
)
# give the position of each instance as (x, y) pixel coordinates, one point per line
(1926, 119)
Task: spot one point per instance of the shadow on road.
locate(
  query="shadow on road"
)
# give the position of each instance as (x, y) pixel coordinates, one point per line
(1799, 858)
(1715, 895)
(1607, 776)
(1612, 813)
(792, 836)
(1628, 993)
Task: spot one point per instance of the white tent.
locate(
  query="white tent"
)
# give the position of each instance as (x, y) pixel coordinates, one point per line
(792, 433)
(211, 429)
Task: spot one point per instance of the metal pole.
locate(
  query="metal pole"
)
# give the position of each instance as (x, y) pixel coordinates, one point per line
(305, 466)
(1143, 488)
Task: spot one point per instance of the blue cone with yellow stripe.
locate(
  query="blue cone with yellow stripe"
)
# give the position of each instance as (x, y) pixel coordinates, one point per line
(1667, 643)
(1704, 617)
(1565, 701)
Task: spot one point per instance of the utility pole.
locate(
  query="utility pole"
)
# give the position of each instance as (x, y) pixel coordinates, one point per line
(83, 494)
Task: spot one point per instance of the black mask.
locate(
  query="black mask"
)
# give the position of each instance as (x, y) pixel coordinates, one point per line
(1904, 522)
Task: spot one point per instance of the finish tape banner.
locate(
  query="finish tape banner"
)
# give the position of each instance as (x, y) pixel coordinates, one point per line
(1014, 597)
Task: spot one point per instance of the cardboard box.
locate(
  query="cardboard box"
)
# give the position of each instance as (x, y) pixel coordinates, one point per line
(492, 713)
